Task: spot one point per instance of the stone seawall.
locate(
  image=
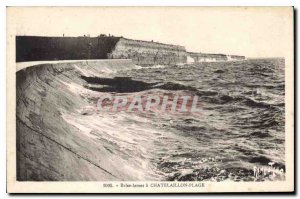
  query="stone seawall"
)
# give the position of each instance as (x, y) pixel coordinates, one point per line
(203, 57)
(32, 48)
(148, 53)
(50, 145)
(237, 57)
(193, 57)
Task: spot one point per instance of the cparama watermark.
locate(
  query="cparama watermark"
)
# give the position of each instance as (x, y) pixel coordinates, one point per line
(168, 103)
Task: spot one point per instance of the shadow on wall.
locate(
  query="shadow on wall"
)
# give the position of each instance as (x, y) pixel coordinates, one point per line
(33, 48)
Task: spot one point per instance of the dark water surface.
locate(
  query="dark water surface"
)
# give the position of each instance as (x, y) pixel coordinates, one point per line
(241, 125)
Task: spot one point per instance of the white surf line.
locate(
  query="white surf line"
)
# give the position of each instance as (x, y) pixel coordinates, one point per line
(22, 65)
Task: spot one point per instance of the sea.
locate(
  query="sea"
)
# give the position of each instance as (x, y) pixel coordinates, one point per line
(239, 134)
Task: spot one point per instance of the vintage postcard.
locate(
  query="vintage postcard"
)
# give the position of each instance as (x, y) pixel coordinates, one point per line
(150, 99)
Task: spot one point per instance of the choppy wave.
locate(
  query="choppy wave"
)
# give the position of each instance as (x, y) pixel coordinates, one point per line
(241, 126)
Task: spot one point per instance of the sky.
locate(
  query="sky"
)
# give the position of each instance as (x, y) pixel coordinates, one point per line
(253, 32)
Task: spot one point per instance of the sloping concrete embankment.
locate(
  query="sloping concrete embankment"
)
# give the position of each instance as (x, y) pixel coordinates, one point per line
(48, 147)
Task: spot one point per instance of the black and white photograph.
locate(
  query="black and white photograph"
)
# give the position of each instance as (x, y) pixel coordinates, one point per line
(151, 99)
